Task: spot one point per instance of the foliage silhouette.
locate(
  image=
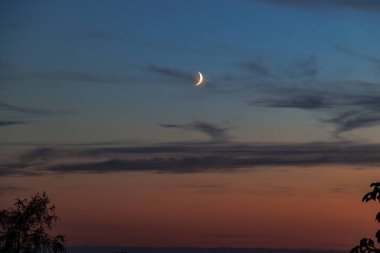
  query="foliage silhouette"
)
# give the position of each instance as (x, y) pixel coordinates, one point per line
(23, 228)
(367, 245)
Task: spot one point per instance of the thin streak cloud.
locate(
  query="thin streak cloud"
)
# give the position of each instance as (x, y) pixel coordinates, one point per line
(171, 72)
(372, 59)
(11, 122)
(190, 158)
(75, 76)
(214, 132)
(28, 110)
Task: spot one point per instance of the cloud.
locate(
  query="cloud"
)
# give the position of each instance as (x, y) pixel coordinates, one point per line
(170, 165)
(25, 110)
(350, 120)
(10, 72)
(80, 76)
(305, 66)
(190, 158)
(347, 110)
(258, 69)
(214, 132)
(170, 72)
(372, 59)
(309, 102)
(40, 154)
(11, 122)
(28, 110)
(361, 5)
(232, 158)
(19, 169)
(66, 76)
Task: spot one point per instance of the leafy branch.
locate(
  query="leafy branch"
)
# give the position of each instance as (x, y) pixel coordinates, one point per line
(367, 245)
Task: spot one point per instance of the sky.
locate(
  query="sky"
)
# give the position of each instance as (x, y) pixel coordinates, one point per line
(99, 108)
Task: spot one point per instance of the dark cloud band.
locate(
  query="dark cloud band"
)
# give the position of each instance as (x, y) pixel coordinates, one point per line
(191, 158)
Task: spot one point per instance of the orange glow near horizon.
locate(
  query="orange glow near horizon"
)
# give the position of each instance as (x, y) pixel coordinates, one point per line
(315, 207)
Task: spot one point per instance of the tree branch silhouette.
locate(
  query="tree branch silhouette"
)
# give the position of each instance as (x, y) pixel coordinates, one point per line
(367, 245)
(23, 228)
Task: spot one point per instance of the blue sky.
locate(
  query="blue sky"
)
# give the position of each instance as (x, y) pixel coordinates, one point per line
(89, 67)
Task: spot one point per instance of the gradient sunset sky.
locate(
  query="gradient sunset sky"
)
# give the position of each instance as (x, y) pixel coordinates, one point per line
(98, 108)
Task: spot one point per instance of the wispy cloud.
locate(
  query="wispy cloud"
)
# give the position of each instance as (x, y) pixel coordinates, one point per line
(294, 67)
(190, 158)
(353, 119)
(17, 168)
(363, 5)
(347, 110)
(305, 66)
(372, 59)
(11, 122)
(215, 132)
(80, 76)
(10, 72)
(258, 68)
(171, 72)
(28, 110)
(59, 75)
(39, 154)
(308, 102)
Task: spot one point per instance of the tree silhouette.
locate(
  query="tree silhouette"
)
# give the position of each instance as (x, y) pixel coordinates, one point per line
(367, 245)
(23, 228)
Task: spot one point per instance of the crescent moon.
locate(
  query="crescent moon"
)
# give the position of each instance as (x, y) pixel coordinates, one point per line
(200, 80)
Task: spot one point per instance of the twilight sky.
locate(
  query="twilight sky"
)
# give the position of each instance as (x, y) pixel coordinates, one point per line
(98, 107)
